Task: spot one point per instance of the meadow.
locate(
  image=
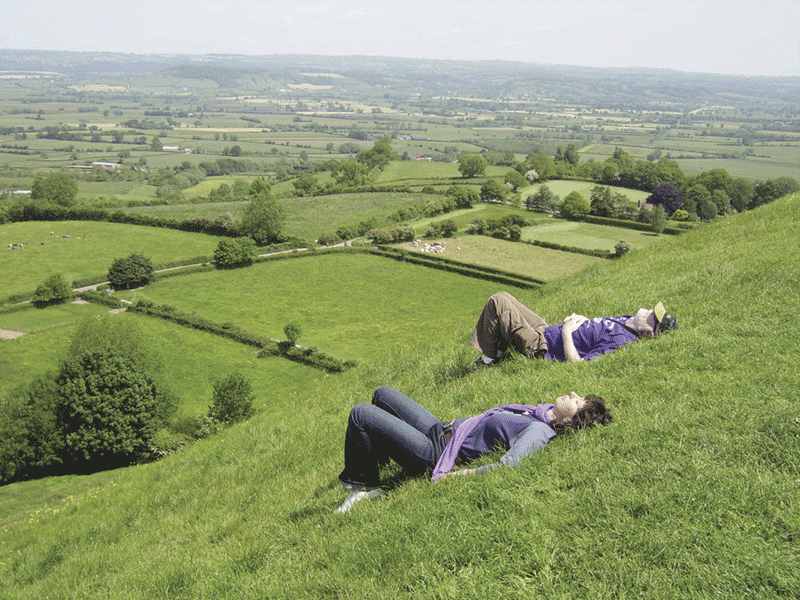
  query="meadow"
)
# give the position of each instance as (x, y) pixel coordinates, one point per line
(352, 306)
(464, 217)
(306, 217)
(517, 257)
(588, 235)
(78, 249)
(690, 491)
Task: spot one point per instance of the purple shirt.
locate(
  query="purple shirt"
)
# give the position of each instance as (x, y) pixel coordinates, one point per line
(595, 337)
(498, 426)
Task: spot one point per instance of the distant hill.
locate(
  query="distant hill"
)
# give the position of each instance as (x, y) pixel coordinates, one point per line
(691, 492)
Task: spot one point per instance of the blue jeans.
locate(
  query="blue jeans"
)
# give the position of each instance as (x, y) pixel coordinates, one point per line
(393, 426)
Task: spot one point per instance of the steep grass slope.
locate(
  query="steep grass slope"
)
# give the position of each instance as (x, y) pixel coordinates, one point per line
(691, 492)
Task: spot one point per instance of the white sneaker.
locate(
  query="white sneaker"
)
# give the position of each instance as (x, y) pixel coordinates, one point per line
(357, 497)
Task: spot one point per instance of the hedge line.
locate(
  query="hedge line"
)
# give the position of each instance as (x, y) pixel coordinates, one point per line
(624, 223)
(575, 249)
(467, 265)
(31, 212)
(452, 268)
(269, 347)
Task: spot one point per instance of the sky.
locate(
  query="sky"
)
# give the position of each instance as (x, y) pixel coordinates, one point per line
(734, 36)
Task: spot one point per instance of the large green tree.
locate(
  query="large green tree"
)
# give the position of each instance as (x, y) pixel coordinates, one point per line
(59, 188)
(471, 165)
(263, 217)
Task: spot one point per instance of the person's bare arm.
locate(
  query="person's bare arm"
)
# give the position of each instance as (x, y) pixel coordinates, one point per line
(571, 323)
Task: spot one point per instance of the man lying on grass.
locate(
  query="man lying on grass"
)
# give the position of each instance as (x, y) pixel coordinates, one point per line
(395, 427)
(505, 322)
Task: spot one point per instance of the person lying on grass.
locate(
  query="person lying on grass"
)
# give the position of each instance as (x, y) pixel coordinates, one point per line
(395, 427)
(506, 322)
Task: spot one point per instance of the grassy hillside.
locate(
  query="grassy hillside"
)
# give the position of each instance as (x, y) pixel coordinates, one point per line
(691, 492)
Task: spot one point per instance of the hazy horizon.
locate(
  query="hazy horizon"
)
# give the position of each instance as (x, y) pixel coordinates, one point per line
(713, 38)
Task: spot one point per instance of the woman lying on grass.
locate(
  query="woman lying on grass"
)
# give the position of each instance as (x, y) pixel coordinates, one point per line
(395, 427)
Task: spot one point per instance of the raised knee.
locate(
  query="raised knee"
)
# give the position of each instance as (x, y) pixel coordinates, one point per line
(501, 298)
(382, 393)
(360, 411)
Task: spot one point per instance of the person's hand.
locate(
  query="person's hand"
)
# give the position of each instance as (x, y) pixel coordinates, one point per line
(572, 322)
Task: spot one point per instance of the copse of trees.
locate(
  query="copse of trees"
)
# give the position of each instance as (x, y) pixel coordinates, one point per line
(131, 272)
(574, 205)
(543, 200)
(101, 409)
(58, 188)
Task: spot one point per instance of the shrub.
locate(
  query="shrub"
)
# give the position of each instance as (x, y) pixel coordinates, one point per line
(621, 249)
(263, 217)
(31, 440)
(328, 239)
(108, 409)
(131, 272)
(53, 290)
(446, 228)
(680, 215)
(464, 197)
(236, 252)
(293, 331)
(232, 399)
(493, 190)
(391, 236)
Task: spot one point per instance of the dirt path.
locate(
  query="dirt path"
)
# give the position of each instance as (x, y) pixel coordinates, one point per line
(10, 334)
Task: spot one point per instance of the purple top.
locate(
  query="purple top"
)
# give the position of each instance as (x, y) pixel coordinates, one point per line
(595, 337)
(482, 433)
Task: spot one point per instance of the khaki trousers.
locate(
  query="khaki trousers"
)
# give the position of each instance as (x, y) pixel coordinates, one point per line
(505, 322)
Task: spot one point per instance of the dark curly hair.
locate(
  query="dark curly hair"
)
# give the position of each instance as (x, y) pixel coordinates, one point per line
(594, 412)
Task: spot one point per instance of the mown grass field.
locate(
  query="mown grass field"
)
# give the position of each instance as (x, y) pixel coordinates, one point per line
(463, 218)
(517, 257)
(307, 217)
(564, 186)
(88, 251)
(352, 306)
(691, 492)
(587, 235)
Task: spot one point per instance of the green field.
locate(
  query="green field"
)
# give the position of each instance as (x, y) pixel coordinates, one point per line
(352, 306)
(307, 217)
(88, 251)
(588, 235)
(464, 217)
(563, 187)
(691, 491)
(525, 259)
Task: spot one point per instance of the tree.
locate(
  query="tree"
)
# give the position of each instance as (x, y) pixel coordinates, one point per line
(621, 248)
(107, 407)
(471, 165)
(571, 154)
(380, 155)
(263, 218)
(31, 439)
(741, 193)
(59, 188)
(543, 164)
(772, 189)
(696, 195)
(53, 290)
(131, 272)
(543, 200)
(515, 180)
(235, 150)
(350, 173)
(117, 136)
(493, 190)
(601, 201)
(464, 197)
(232, 253)
(706, 209)
(293, 331)
(667, 195)
(155, 144)
(723, 202)
(658, 219)
(232, 399)
(715, 179)
(574, 205)
(305, 185)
